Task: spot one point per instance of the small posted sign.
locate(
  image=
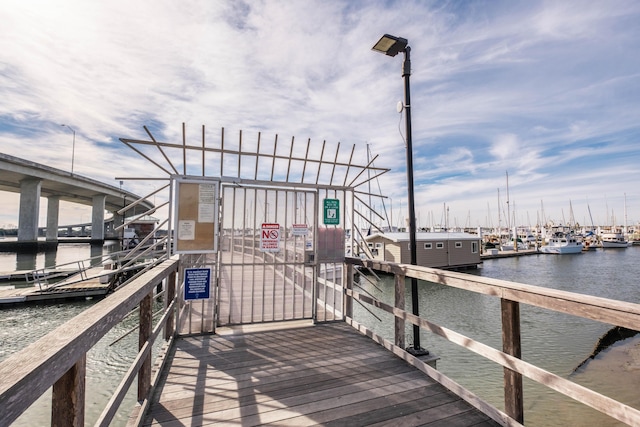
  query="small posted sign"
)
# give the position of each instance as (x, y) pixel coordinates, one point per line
(197, 283)
(299, 230)
(270, 237)
(331, 212)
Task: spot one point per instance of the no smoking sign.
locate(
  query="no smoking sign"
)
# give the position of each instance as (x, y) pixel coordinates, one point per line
(270, 237)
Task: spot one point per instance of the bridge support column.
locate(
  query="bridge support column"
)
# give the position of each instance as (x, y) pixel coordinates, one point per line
(97, 217)
(53, 211)
(29, 210)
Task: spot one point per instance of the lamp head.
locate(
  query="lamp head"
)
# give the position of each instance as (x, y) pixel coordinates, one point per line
(390, 45)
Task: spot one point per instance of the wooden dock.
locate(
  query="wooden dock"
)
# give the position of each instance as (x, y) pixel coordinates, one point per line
(70, 288)
(326, 374)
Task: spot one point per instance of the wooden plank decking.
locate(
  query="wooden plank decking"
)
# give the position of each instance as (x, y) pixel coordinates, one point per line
(308, 375)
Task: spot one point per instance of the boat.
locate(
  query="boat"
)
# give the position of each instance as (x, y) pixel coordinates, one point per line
(508, 245)
(563, 244)
(590, 241)
(613, 240)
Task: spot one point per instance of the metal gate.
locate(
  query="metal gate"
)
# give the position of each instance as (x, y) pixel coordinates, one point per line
(266, 270)
(277, 251)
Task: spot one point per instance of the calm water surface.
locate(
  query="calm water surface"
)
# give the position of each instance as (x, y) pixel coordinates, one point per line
(553, 341)
(556, 342)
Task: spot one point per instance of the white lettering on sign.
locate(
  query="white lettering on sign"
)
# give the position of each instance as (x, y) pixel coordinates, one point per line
(270, 237)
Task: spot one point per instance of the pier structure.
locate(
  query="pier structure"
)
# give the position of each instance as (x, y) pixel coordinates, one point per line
(33, 181)
(258, 326)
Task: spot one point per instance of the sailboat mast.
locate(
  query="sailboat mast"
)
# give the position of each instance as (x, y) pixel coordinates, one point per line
(508, 208)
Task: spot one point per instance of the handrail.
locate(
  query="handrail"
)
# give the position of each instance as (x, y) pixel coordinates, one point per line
(61, 354)
(605, 310)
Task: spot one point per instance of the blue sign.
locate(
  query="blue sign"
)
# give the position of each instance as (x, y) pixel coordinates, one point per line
(197, 283)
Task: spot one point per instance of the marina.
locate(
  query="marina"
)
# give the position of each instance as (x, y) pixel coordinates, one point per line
(246, 254)
(569, 344)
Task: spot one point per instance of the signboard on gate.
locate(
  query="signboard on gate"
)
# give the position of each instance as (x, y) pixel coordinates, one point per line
(197, 283)
(331, 212)
(270, 237)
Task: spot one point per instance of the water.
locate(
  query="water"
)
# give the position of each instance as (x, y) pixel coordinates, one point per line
(107, 361)
(553, 341)
(556, 342)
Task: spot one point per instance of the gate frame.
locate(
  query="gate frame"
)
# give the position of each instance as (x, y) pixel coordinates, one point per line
(298, 174)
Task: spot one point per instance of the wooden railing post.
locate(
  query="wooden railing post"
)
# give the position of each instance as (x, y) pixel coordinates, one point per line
(144, 375)
(513, 396)
(68, 399)
(400, 294)
(348, 301)
(170, 327)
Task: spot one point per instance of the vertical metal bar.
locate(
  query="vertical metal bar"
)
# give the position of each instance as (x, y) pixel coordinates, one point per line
(257, 158)
(274, 265)
(346, 175)
(202, 315)
(184, 149)
(314, 282)
(170, 216)
(320, 162)
(335, 160)
(273, 160)
(230, 284)
(285, 261)
(244, 232)
(169, 329)
(253, 247)
(240, 295)
(222, 152)
(240, 154)
(203, 151)
(306, 157)
(264, 264)
(290, 157)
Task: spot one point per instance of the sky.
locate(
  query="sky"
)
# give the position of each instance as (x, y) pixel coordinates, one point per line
(546, 92)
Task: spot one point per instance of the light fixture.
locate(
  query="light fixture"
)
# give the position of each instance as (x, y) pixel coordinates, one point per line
(73, 146)
(391, 46)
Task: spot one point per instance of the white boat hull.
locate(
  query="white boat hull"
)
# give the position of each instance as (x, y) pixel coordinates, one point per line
(561, 246)
(613, 240)
(606, 244)
(561, 250)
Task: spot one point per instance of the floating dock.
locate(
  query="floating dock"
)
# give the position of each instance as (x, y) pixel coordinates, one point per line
(73, 287)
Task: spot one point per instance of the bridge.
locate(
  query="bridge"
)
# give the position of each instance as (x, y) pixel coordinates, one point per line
(34, 180)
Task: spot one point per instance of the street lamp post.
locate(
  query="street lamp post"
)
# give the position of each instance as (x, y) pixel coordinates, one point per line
(73, 146)
(391, 46)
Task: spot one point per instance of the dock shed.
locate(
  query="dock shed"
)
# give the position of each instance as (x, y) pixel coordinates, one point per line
(438, 250)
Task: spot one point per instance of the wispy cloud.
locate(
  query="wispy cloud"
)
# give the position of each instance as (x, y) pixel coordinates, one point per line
(546, 90)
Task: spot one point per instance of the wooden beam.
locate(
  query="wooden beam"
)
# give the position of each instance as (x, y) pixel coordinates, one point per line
(67, 401)
(146, 319)
(513, 394)
(400, 294)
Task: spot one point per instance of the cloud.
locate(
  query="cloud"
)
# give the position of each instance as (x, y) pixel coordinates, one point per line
(547, 91)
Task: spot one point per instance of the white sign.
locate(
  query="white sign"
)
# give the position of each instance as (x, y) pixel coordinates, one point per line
(270, 237)
(206, 203)
(299, 229)
(186, 230)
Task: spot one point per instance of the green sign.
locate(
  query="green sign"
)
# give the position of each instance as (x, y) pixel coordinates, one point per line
(331, 211)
